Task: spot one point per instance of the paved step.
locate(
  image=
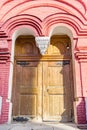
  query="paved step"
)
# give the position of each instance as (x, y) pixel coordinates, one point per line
(20, 128)
(41, 126)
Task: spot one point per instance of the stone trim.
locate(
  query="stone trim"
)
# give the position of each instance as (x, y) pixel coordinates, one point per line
(42, 43)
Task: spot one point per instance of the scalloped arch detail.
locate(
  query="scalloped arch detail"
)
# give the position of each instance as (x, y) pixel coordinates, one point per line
(22, 21)
(67, 13)
(73, 22)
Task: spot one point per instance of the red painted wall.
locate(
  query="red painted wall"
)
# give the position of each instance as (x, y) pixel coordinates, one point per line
(42, 16)
(4, 76)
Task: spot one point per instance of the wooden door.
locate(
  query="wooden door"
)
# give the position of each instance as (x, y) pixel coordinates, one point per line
(57, 81)
(27, 89)
(27, 80)
(57, 99)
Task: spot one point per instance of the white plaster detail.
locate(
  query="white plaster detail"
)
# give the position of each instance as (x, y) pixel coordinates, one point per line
(0, 105)
(42, 43)
(10, 82)
(10, 113)
(62, 29)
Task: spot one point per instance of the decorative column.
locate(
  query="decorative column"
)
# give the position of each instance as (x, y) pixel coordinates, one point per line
(42, 43)
(4, 76)
(81, 80)
(82, 106)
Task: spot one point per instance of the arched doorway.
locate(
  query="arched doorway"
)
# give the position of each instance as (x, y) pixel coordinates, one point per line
(26, 80)
(43, 85)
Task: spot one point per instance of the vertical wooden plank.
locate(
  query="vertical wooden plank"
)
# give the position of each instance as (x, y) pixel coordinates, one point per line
(45, 93)
(57, 100)
(39, 104)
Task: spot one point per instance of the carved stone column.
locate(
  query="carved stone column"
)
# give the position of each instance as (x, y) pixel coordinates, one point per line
(42, 43)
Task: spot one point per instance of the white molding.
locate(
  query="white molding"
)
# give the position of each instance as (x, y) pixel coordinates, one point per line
(10, 80)
(0, 105)
(42, 43)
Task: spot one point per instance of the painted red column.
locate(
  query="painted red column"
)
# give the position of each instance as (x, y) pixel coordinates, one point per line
(4, 79)
(81, 80)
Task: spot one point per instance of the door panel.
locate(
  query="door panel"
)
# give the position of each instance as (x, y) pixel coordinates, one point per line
(30, 101)
(56, 91)
(27, 90)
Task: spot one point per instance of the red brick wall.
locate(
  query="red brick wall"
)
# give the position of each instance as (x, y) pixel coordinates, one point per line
(4, 80)
(81, 116)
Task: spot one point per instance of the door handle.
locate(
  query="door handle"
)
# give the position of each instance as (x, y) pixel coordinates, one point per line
(47, 89)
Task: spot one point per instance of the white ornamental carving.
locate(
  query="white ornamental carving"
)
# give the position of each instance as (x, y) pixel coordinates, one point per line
(42, 43)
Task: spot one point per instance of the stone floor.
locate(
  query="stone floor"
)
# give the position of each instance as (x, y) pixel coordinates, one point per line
(41, 126)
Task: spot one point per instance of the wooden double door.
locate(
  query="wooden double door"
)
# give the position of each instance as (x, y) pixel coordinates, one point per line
(42, 89)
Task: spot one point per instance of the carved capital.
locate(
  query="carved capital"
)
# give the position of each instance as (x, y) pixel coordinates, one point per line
(4, 51)
(42, 43)
(81, 55)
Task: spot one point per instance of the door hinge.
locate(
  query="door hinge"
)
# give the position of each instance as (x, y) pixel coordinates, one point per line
(61, 63)
(23, 63)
